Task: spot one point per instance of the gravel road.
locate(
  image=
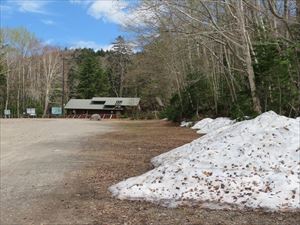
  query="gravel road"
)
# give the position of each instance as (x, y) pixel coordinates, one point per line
(36, 157)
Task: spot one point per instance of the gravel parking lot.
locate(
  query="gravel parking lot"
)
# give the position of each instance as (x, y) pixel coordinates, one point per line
(36, 157)
(57, 172)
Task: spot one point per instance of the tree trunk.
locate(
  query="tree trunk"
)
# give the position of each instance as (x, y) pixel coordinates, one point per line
(7, 89)
(121, 81)
(248, 60)
(46, 102)
(18, 103)
(23, 86)
(190, 55)
(18, 92)
(298, 10)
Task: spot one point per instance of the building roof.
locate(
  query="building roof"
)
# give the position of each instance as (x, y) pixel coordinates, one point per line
(114, 101)
(82, 104)
(101, 103)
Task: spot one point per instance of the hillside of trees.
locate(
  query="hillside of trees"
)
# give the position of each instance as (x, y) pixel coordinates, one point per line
(191, 59)
(34, 75)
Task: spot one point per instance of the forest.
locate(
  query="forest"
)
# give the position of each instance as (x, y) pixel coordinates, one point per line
(186, 59)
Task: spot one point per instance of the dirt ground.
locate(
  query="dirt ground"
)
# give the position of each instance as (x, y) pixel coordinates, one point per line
(76, 171)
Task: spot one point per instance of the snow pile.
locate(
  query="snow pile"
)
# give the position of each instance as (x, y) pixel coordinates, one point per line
(250, 164)
(186, 124)
(202, 123)
(215, 125)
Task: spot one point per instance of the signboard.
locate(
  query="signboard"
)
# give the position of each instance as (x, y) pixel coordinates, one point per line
(7, 112)
(31, 111)
(56, 111)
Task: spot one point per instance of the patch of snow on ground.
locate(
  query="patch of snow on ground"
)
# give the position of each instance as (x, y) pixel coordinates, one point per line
(186, 124)
(214, 125)
(202, 123)
(250, 164)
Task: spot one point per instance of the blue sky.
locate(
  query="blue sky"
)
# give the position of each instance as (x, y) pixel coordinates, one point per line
(68, 23)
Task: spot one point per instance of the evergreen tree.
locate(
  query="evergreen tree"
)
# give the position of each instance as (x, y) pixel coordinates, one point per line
(88, 79)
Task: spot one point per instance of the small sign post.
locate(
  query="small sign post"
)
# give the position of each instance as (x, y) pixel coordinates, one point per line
(31, 112)
(7, 113)
(56, 111)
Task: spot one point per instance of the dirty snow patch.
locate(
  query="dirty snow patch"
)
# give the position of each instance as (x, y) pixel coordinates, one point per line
(214, 125)
(186, 124)
(250, 164)
(202, 123)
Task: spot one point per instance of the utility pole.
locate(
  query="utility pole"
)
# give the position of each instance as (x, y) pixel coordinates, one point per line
(63, 87)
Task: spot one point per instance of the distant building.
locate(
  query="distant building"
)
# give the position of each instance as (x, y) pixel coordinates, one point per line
(105, 106)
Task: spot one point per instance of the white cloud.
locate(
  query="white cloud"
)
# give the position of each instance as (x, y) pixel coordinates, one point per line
(34, 6)
(112, 11)
(5, 11)
(5, 8)
(80, 2)
(115, 11)
(48, 22)
(90, 44)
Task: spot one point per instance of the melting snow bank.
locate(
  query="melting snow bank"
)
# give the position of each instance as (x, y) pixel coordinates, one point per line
(208, 125)
(186, 124)
(250, 164)
(202, 123)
